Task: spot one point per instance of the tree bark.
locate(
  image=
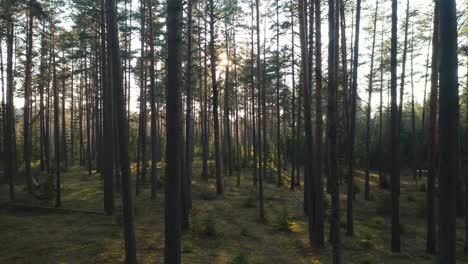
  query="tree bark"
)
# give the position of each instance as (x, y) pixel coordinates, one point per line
(122, 127)
(318, 229)
(174, 147)
(431, 243)
(395, 170)
(448, 132)
(369, 105)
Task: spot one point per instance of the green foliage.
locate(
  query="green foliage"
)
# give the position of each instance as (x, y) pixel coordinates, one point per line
(240, 258)
(282, 220)
(378, 221)
(251, 200)
(187, 246)
(298, 245)
(403, 229)
(209, 226)
(195, 226)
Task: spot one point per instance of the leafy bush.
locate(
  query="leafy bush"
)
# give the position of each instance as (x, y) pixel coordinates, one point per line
(209, 226)
(283, 220)
(187, 247)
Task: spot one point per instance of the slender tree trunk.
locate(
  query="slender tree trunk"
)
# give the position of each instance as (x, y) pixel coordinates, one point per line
(369, 105)
(72, 114)
(64, 131)
(293, 103)
(88, 116)
(252, 83)
(174, 147)
(448, 132)
(187, 175)
(431, 177)
(351, 140)
(219, 179)
(122, 128)
(466, 175)
(261, 157)
(278, 113)
(205, 136)
(58, 191)
(331, 132)
(413, 112)
(308, 149)
(27, 101)
(108, 123)
(403, 71)
(154, 114)
(395, 170)
(10, 152)
(318, 230)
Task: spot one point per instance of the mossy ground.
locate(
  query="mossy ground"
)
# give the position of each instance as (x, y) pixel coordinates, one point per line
(224, 229)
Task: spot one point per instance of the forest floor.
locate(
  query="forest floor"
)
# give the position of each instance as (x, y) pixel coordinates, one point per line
(224, 229)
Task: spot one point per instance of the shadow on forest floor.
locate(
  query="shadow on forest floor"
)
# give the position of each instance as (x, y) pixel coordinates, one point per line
(224, 229)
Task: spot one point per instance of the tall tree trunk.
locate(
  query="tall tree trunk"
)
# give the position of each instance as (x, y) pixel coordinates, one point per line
(10, 151)
(205, 136)
(308, 149)
(72, 114)
(318, 230)
(41, 98)
(278, 113)
(187, 175)
(395, 170)
(466, 174)
(413, 112)
(58, 191)
(219, 179)
(64, 131)
(331, 132)
(154, 114)
(369, 105)
(27, 95)
(108, 123)
(88, 116)
(431, 177)
(352, 129)
(174, 147)
(293, 103)
(448, 132)
(252, 83)
(122, 128)
(403, 71)
(381, 66)
(259, 116)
